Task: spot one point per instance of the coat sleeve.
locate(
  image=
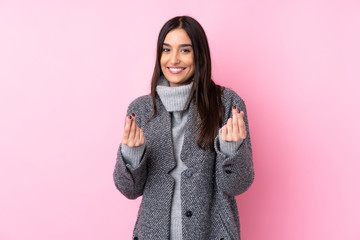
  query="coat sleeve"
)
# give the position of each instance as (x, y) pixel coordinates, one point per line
(235, 173)
(129, 180)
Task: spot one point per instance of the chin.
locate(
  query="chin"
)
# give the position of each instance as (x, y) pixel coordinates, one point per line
(177, 82)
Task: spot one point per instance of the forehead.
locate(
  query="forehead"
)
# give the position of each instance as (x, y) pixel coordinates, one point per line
(177, 36)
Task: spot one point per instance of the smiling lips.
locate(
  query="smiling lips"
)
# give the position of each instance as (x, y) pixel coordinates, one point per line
(175, 70)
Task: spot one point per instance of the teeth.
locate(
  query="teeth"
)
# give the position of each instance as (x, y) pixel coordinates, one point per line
(176, 69)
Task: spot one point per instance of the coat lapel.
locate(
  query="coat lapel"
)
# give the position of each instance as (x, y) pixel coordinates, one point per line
(191, 154)
(161, 136)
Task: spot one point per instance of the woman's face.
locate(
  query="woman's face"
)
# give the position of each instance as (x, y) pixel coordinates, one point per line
(177, 58)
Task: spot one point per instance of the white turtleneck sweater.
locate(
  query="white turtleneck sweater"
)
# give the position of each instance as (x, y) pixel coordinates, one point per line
(174, 100)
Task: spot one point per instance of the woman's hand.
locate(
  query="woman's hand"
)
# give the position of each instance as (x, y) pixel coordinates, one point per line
(234, 130)
(133, 136)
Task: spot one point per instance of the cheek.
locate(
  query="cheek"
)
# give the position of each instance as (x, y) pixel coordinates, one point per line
(192, 64)
(192, 71)
(192, 61)
(163, 60)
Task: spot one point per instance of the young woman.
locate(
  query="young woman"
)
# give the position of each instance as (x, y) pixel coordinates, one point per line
(186, 146)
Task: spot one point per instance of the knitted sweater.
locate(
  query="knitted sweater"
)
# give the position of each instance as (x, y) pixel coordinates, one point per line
(174, 100)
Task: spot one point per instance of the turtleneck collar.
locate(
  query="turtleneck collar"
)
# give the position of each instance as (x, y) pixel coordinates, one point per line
(173, 98)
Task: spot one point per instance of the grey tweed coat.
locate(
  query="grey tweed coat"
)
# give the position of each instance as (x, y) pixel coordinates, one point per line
(208, 186)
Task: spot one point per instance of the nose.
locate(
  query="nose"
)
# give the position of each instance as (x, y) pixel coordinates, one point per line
(174, 58)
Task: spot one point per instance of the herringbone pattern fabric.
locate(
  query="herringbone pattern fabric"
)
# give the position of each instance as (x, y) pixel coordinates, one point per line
(208, 186)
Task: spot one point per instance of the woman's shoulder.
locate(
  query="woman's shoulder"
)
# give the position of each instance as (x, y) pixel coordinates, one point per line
(141, 105)
(231, 98)
(144, 100)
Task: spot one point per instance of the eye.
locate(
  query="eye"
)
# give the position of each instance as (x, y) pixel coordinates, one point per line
(165, 49)
(185, 50)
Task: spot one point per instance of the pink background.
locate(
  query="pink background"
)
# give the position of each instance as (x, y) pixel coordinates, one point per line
(69, 69)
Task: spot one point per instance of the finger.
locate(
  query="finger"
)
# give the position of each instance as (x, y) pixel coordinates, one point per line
(141, 137)
(234, 111)
(132, 128)
(224, 133)
(126, 130)
(240, 118)
(229, 129)
(241, 115)
(137, 135)
(242, 126)
(235, 123)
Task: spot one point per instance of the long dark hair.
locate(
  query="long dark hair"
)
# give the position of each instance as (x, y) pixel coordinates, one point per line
(207, 94)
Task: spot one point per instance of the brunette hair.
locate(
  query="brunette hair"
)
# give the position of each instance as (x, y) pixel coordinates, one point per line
(207, 94)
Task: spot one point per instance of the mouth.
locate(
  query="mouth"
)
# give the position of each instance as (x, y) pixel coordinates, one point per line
(176, 70)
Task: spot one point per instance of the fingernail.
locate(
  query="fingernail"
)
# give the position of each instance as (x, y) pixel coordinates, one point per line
(234, 107)
(133, 114)
(130, 117)
(238, 110)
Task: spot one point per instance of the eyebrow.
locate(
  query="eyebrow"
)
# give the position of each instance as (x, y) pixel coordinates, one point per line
(181, 45)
